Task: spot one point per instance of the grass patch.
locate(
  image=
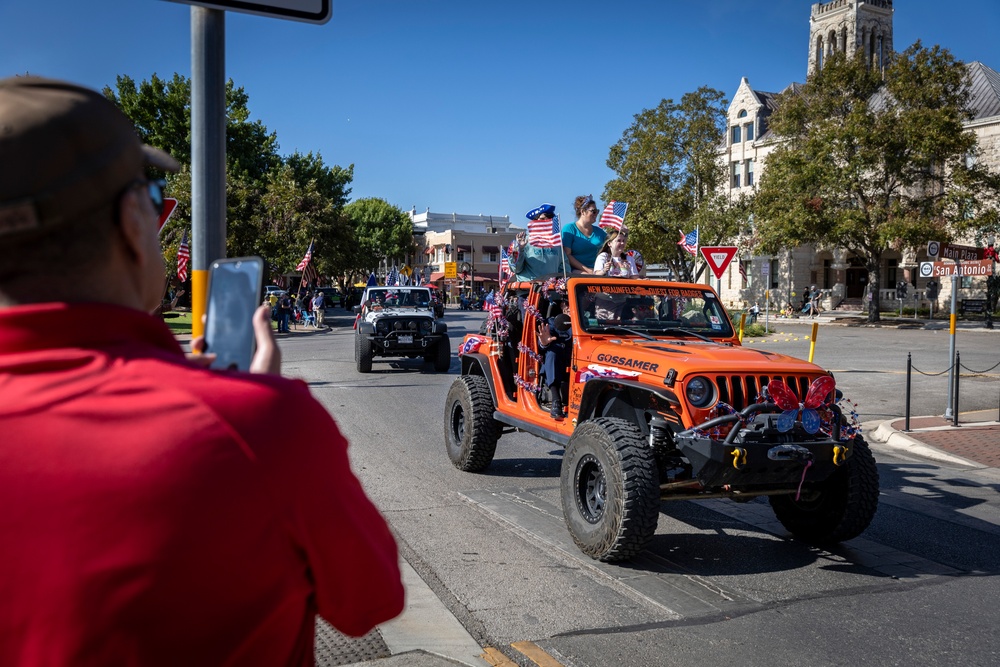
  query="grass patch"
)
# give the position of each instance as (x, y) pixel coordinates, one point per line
(179, 323)
(756, 330)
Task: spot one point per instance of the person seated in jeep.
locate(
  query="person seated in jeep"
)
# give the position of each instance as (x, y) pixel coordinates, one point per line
(555, 342)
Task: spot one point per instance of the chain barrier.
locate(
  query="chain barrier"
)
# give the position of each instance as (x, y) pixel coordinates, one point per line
(935, 374)
(975, 372)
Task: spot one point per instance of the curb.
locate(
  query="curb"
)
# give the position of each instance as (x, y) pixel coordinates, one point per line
(898, 440)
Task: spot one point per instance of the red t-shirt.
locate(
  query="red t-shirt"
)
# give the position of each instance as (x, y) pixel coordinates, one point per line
(155, 513)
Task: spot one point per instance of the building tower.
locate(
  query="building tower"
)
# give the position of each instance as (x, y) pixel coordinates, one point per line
(850, 26)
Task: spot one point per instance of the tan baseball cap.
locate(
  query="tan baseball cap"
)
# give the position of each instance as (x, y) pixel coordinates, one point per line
(65, 150)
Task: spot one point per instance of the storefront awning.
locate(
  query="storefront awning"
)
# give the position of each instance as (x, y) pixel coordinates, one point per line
(429, 250)
(464, 248)
(487, 249)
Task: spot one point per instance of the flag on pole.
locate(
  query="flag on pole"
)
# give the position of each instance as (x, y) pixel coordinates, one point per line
(309, 274)
(183, 257)
(372, 280)
(504, 269)
(613, 215)
(689, 242)
(743, 272)
(392, 278)
(545, 233)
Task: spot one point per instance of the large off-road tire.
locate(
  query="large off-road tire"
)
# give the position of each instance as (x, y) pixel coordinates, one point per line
(363, 353)
(837, 509)
(610, 489)
(442, 355)
(470, 432)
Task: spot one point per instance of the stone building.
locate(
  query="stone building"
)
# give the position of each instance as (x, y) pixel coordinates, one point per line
(849, 26)
(473, 242)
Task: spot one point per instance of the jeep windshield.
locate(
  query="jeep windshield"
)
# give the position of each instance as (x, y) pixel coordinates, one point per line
(399, 298)
(653, 309)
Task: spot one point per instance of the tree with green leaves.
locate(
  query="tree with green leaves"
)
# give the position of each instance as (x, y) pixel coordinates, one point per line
(380, 232)
(668, 171)
(870, 160)
(275, 206)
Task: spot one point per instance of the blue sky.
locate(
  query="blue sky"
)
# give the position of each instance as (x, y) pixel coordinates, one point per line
(468, 106)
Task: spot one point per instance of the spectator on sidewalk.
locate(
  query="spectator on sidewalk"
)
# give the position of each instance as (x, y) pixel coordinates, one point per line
(318, 306)
(285, 307)
(155, 511)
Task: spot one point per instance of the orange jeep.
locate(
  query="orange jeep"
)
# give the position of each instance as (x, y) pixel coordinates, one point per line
(663, 403)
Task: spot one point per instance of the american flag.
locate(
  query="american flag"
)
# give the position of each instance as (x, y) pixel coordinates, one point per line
(545, 233)
(613, 215)
(504, 265)
(743, 272)
(309, 274)
(183, 257)
(305, 260)
(689, 242)
(392, 278)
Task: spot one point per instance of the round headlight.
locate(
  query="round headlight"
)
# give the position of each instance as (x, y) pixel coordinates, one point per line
(397, 325)
(699, 391)
(413, 325)
(425, 325)
(381, 326)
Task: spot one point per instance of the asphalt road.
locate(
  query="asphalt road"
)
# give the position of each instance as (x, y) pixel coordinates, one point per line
(721, 582)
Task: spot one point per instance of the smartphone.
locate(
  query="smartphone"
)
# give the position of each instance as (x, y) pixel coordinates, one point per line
(234, 292)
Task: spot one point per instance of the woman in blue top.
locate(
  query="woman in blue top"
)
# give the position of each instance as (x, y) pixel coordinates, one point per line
(582, 240)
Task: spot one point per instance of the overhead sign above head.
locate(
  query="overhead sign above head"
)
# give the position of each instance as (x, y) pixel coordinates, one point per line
(718, 257)
(308, 11)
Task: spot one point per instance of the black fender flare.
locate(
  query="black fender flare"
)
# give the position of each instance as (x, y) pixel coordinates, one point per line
(439, 328)
(476, 363)
(628, 390)
(366, 329)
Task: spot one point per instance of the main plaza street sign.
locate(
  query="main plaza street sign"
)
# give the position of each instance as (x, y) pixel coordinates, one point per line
(962, 253)
(308, 11)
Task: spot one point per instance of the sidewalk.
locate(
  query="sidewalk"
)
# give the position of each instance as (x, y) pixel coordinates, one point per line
(856, 318)
(975, 442)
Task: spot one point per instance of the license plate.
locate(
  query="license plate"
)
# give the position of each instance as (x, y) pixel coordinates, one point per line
(406, 340)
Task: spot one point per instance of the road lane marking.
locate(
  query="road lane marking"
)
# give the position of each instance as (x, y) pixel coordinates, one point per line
(536, 654)
(496, 658)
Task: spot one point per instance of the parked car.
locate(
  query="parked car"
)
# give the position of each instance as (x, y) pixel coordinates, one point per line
(664, 403)
(331, 299)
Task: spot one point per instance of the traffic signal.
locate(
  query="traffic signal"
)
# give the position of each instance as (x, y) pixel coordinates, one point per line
(901, 290)
(932, 289)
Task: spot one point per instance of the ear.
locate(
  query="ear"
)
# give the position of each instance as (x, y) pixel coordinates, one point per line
(131, 220)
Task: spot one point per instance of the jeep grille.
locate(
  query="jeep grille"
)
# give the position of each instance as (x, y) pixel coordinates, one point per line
(740, 391)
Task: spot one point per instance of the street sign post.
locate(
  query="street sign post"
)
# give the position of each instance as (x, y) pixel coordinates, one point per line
(308, 11)
(982, 267)
(718, 258)
(962, 253)
(451, 270)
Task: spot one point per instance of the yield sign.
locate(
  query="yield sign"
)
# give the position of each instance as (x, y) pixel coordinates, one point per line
(718, 257)
(169, 205)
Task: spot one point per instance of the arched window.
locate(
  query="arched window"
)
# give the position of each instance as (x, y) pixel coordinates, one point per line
(742, 113)
(819, 52)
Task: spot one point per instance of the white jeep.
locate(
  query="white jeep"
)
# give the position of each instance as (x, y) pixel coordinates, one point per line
(400, 322)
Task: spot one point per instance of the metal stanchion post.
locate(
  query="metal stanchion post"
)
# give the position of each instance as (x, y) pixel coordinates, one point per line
(909, 365)
(958, 375)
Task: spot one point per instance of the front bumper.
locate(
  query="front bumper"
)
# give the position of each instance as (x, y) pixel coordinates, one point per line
(759, 457)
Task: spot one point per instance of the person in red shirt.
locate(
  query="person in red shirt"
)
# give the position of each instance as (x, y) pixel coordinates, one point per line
(153, 511)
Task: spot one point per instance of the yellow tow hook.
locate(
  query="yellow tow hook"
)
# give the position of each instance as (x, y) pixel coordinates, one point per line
(739, 457)
(839, 454)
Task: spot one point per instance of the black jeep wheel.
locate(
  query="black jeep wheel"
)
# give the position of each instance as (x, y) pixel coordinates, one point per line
(837, 509)
(470, 432)
(363, 353)
(610, 489)
(442, 354)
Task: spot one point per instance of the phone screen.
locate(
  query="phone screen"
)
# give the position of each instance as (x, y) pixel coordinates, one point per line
(233, 296)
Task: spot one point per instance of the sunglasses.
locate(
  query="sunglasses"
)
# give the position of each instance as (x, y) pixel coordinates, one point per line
(592, 209)
(155, 188)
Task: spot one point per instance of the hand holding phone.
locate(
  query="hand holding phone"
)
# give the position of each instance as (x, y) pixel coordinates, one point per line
(233, 296)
